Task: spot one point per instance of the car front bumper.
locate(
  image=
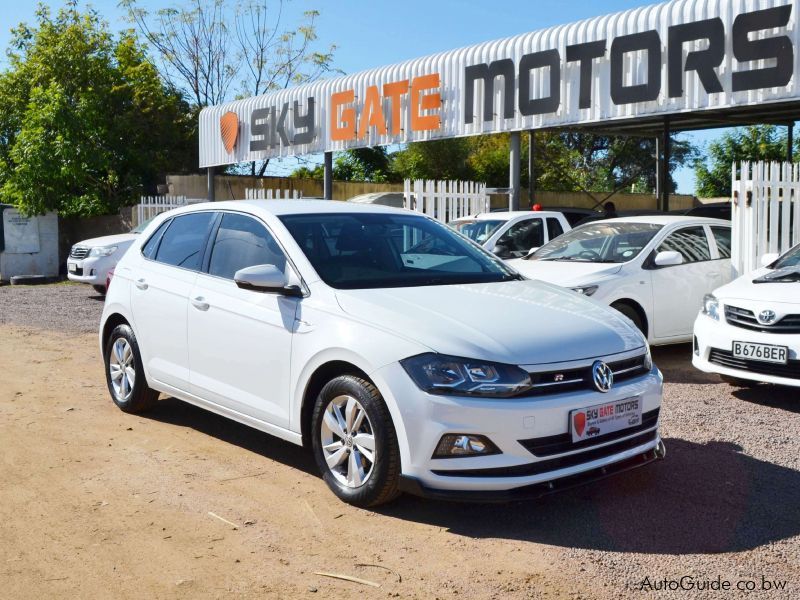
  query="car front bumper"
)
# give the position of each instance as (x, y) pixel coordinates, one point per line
(92, 270)
(713, 347)
(510, 423)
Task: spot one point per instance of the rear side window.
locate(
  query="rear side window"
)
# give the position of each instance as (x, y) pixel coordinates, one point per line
(723, 237)
(182, 243)
(149, 249)
(689, 242)
(554, 228)
(243, 242)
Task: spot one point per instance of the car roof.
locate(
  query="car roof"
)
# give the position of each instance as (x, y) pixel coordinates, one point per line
(507, 215)
(293, 207)
(667, 220)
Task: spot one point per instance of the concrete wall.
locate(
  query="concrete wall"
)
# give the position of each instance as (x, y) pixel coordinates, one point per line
(622, 201)
(45, 261)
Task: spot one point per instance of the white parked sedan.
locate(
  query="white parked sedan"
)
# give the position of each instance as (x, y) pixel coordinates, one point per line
(91, 260)
(653, 269)
(404, 356)
(512, 234)
(749, 330)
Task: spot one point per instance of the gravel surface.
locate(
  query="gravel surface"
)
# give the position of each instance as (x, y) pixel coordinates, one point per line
(723, 507)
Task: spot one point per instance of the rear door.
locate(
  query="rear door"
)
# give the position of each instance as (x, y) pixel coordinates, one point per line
(163, 278)
(678, 290)
(240, 340)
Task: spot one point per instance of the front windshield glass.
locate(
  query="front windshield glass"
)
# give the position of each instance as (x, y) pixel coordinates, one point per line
(382, 250)
(599, 242)
(790, 259)
(478, 231)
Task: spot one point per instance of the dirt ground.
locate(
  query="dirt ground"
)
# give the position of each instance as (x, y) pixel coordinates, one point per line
(95, 503)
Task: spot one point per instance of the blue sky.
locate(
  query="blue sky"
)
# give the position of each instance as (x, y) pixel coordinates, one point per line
(371, 33)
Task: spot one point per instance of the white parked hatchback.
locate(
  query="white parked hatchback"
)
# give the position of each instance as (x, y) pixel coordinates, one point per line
(749, 330)
(405, 356)
(654, 269)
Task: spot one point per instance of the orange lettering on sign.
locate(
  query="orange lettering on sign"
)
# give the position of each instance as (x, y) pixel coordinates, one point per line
(425, 102)
(394, 91)
(343, 127)
(372, 115)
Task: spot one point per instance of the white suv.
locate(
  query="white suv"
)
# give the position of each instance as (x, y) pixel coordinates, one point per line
(405, 356)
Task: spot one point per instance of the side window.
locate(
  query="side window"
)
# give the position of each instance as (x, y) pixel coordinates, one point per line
(523, 236)
(690, 242)
(554, 228)
(182, 243)
(723, 237)
(243, 242)
(150, 247)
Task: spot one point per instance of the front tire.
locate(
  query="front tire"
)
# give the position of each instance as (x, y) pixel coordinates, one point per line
(125, 374)
(354, 442)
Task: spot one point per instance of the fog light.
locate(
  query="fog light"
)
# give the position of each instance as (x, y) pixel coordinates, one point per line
(463, 444)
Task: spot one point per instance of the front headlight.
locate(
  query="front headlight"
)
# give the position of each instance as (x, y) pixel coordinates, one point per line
(441, 374)
(585, 290)
(711, 306)
(103, 251)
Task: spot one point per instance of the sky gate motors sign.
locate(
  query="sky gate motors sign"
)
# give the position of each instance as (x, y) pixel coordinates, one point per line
(533, 80)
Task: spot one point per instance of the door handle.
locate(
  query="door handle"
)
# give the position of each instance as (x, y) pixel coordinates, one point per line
(200, 303)
(141, 284)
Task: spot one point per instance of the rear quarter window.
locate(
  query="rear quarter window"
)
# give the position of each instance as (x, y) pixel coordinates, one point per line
(183, 242)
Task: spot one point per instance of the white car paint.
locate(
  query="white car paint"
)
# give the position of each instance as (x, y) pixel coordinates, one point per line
(506, 221)
(717, 334)
(85, 266)
(668, 297)
(250, 355)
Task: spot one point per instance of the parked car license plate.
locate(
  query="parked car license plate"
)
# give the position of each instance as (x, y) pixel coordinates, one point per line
(72, 267)
(594, 421)
(762, 352)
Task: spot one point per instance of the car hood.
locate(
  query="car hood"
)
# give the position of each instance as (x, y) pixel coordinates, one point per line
(743, 288)
(520, 322)
(564, 273)
(109, 240)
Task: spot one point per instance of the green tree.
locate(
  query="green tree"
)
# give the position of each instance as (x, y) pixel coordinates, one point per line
(85, 121)
(364, 164)
(758, 142)
(436, 159)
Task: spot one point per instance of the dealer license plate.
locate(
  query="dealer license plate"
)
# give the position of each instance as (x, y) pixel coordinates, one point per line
(72, 267)
(594, 421)
(762, 352)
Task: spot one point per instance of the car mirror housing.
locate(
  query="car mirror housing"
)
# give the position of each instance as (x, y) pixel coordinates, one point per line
(265, 278)
(769, 258)
(668, 258)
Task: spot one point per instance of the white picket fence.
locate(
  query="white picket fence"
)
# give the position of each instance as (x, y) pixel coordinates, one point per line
(766, 211)
(445, 201)
(150, 206)
(270, 194)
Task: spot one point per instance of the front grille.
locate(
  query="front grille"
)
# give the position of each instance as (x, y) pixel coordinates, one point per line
(725, 358)
(741, 317)
(562, 442)
(567, 380)
(554, 464)
(79, 252)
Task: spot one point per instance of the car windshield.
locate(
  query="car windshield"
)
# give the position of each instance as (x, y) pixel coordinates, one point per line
(382, 250)
(599, 242)
(478, 231)
(790, 259)
(142, 226)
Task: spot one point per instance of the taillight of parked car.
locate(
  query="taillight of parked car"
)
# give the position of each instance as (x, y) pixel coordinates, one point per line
(109, 277)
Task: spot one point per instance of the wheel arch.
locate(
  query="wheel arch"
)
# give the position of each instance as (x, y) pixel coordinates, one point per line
(636, 306)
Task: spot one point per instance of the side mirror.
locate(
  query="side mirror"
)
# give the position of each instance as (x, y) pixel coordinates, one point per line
(265, 278)
(769, 258)
(668, 258)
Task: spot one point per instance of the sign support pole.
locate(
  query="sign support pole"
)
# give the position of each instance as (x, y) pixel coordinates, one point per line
(664, 171)
(327, 181)
(513, 170)
(789, 142)
(210, 175)
(531, 167)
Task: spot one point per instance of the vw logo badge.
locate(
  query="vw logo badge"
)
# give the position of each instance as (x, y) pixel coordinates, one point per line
(602, 375)
(766, 317)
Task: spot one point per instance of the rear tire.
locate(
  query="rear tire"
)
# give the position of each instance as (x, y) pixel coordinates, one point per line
(125, 373)
(354, 442)
(632, 314)
(736, 382)
(100, 289)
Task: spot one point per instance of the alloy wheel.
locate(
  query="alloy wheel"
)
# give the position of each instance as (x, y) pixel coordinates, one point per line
(121, 368)
(348, 441)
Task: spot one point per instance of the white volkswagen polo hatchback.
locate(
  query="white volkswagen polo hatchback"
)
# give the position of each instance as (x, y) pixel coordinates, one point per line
(405, 356)
(749, 330)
